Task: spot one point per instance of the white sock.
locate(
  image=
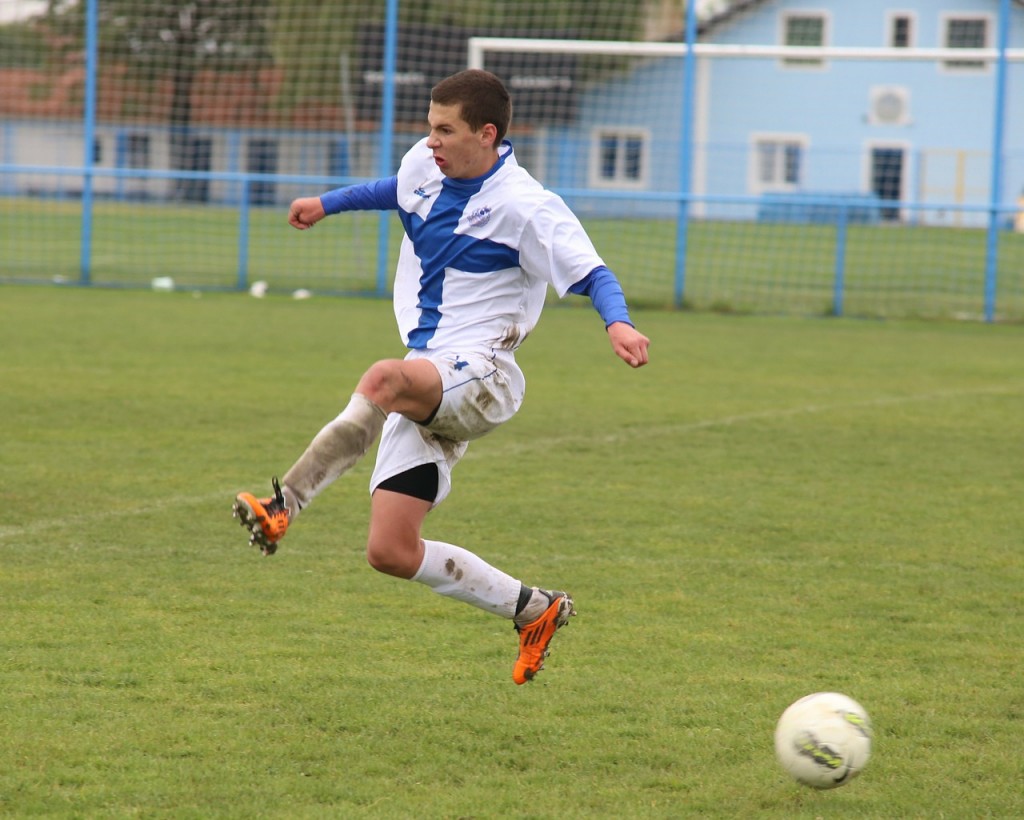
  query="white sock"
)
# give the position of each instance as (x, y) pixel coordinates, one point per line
(457, 573)
(339, 445)
(534, 608)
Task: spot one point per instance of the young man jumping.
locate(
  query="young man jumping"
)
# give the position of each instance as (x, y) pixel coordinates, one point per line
(483, 241)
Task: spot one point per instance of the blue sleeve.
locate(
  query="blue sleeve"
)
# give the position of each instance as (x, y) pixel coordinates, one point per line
(381, 195)
(606, 293)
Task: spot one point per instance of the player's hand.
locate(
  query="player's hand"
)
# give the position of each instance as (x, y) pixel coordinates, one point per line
(629, 344)
(305, 212)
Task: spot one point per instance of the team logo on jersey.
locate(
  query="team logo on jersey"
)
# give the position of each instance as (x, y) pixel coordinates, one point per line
(480, 217)
(420, 192)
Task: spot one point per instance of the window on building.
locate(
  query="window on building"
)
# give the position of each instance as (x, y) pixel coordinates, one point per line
(136, 150)
(262, 159)
(803, 29)
(901, 31)
(778, 163)
(619, 158)
(966, 32)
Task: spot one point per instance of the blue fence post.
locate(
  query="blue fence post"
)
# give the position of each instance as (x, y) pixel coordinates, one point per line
(839, 283)
(996, 188)
(89, 138)
(685, 155)
(243, 236)
(387, 138)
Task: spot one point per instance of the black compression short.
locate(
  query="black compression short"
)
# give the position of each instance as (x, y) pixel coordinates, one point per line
(420, 482)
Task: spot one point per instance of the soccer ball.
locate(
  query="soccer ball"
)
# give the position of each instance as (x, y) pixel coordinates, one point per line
(824, 740)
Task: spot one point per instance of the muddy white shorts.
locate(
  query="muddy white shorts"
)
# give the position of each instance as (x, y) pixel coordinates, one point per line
(481, 390)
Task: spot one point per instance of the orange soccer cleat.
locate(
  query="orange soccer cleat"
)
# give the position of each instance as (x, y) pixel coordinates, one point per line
(535, 636)
(265, 518)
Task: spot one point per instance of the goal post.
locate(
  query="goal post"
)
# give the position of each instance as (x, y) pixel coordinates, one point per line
(755, 167)
(479, 46)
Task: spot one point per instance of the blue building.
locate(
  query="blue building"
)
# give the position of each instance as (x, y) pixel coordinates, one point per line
(917, 134)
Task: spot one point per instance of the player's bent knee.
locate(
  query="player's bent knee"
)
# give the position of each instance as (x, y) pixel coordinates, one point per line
(391, 559)
(379, 560)
(378, 383)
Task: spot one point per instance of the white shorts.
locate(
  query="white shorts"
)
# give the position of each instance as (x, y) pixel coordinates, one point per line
(480, 391)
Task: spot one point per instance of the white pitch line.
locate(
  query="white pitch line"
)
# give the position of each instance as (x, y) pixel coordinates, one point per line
(111, 515)
(741, 418)
(541, 443)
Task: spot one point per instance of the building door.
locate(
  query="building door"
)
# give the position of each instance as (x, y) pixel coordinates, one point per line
(199, 157)
(262, 160)
(887, 172)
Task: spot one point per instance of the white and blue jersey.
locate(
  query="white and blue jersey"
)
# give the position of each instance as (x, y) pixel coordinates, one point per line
(478, 254)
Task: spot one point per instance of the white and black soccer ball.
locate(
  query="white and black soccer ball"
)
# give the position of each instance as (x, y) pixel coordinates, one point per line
(824, 740)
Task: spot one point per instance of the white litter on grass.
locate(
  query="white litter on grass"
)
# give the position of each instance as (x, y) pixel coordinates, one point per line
(302, 293)
(259, 289)
(162, 283)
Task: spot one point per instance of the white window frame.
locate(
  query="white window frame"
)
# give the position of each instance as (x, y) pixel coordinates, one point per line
(890, 22)
(799, 63)
(619, 180)
(778, 183)
(951, 17)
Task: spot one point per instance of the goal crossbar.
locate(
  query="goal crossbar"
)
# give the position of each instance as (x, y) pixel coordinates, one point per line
(478, 46)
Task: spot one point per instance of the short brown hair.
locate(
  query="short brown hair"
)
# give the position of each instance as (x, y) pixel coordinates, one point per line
(482, 97)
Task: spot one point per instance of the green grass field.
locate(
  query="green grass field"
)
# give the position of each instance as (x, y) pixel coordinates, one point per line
(774, 506)
(732, 266)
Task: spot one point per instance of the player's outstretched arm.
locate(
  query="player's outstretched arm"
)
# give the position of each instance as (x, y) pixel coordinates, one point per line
(305, 212)
(629, 344)
(605, 292)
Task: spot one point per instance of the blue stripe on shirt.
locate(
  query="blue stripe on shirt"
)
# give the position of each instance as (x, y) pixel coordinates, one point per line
(439, 247)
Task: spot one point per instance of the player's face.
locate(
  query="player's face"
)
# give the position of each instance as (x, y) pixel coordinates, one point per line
(459, 151)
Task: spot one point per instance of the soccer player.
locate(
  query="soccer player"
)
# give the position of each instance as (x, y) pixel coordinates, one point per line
(483, 240)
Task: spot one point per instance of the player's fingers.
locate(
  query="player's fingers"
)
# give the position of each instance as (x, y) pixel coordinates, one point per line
(627, 355)
(302, 215)
(640, 351)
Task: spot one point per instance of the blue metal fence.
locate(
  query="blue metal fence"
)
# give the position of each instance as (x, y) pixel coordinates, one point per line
(841, 211)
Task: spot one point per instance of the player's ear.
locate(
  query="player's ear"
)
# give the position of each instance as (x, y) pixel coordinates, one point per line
(489, 135)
